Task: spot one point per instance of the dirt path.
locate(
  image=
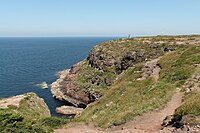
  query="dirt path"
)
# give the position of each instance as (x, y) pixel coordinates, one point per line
(151, 122)
(79, 128)
(147, 123)
(151, 68)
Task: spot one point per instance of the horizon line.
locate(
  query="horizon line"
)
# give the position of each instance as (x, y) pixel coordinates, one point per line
(133, 35)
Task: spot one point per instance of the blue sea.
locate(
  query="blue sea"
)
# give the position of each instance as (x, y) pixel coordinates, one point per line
(25, 62)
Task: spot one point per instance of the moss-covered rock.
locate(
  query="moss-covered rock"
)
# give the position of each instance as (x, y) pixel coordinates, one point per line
(28, 105)
(27, 113)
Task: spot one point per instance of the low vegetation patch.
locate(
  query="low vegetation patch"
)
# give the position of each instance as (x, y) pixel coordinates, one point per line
(17, 123)
(31, 116)
(189, 111)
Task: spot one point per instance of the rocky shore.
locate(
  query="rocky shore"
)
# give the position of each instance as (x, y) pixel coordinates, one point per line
(65, 89)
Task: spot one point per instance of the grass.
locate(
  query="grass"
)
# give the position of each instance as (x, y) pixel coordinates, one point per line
(31, 116)
(189, 112)
(178, 66)
(17, 123)
(191, 106)
(128, 97)
(32, 108)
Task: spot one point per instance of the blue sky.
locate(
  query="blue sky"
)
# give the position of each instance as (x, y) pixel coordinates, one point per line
(98, 17)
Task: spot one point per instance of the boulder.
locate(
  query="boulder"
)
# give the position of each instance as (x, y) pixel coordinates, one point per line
(69, 110)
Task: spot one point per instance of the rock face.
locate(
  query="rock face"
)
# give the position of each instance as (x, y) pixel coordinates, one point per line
(65, 89)
(151, 68)
(28, 105)
(12, 101)
(128, 60)
(69, 110)
(87, 81)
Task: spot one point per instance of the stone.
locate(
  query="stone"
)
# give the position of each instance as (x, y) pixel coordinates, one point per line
(69, 110)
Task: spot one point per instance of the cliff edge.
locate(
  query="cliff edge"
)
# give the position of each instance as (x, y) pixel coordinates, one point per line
(122, 80)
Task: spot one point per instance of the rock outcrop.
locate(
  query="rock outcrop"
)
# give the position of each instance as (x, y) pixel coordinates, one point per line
(28, 105)
(151, 68)
(69, 110)
(65, 88)
(86, 81)
(193, 84)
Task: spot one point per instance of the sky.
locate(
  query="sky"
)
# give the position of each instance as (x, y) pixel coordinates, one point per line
(98, 17)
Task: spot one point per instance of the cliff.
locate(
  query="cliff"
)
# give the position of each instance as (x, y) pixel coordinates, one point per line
(88, 80)
(123, 79)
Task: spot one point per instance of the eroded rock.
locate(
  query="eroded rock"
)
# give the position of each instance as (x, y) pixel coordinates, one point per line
(69, 110)
(65, 89)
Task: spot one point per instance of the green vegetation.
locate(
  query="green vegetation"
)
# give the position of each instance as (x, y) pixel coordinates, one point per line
(87, 78)
(31, 107)
(113, 70)
(31, 116)
(178, 66)
(189, 111)
(16, 123)
(191, 106)
(107, 56)
(127, 97)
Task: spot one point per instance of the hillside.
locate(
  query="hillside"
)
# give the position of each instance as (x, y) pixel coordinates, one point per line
(123, 79)
(27, 113)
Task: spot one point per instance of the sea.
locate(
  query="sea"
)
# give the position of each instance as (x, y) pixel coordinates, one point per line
(26, 62)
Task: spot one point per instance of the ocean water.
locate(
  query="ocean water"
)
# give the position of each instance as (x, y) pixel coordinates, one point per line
(25, 62)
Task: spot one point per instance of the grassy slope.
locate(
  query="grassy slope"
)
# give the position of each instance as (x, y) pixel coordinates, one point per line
(128, 98)
(31, 116)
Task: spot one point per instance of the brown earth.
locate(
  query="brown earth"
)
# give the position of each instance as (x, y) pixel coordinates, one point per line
(14, 101)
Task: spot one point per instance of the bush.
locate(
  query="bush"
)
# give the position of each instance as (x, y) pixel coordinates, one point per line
(54, 122)
(15, 123)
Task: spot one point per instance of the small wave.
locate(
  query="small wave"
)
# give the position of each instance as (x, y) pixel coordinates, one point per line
(43, 85)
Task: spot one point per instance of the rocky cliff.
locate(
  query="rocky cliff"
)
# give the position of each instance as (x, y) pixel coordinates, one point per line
(131, 77)
(88, 80)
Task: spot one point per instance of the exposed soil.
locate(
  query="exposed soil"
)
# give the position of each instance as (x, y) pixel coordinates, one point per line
(14, 101)
(151, 68)
(79, 128)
